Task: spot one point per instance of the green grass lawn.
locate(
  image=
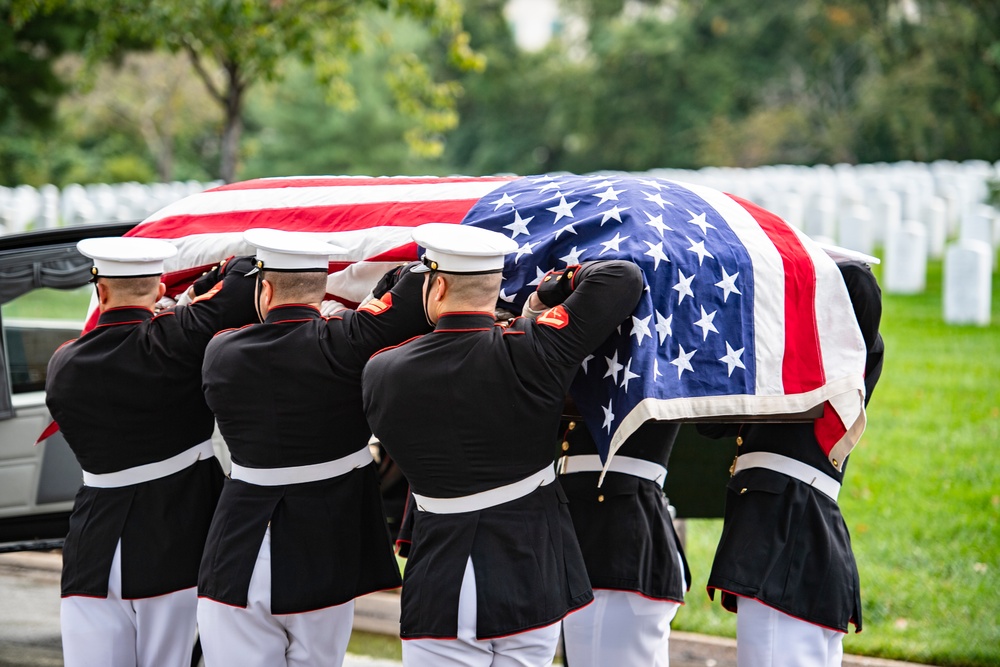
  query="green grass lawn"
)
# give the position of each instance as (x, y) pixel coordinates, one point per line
(921, 496)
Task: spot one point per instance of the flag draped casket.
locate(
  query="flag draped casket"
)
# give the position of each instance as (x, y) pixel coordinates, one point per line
(743, 315)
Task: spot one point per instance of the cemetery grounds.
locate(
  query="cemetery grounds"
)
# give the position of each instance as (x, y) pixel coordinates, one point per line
(921, 496)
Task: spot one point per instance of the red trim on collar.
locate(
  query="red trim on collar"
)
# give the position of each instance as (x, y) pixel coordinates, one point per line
(462, 330)
(393, 347)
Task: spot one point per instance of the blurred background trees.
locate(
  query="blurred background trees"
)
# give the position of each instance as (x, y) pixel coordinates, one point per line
(160, 90)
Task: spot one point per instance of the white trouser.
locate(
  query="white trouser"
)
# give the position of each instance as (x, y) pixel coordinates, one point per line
(767, 638)
(619, 628)
(253, 637)
(534, 648)
(112, 632)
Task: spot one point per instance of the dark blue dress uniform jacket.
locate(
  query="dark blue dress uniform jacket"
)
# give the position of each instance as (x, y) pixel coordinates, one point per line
(624, 527)
(473, 406)
(128, 393)
(288, 393)
(783, 542)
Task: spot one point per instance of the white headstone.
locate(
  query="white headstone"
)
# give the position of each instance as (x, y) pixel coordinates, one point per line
(936, 222)
(821, 217)
(48, 218)
(887, 215)
(856, 231)
(977, 225)
(967, 287)
(906, 259)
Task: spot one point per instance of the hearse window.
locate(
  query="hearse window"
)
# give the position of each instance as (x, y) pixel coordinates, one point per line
(34, 326)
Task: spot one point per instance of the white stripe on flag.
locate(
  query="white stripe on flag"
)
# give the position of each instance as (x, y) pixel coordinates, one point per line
(227, 201)
(768, 289)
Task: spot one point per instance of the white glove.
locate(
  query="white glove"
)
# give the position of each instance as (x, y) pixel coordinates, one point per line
(163, 304)
(328, 308)
(184, 298)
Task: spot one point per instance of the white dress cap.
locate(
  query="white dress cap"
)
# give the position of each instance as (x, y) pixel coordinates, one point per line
(278, 250)
(452, 248)
(127, 256)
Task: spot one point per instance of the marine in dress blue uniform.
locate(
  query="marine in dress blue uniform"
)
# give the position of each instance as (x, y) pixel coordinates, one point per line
(127, 396)
(634, 558)
(299, 531)
(784, 561)
(468, 413)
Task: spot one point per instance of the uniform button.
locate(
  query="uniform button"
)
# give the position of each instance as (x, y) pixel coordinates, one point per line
(600, 499)
(565, 446)
(739, 440)
(743, 490)
(572, 425)
(835, 464)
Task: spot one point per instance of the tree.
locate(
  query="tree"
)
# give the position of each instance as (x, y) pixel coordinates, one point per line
(235, 44)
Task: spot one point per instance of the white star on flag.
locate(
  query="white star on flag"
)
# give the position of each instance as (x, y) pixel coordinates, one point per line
(549, 185)
(608, 416)
(629, 375)
(656, 370)
(653, 184)
(657, 199)
(509, 298)
(568, 228)
(683, 361)
(605, 183)
(701, 222)
(615, 213)
(658, 223)
(563, 209)
(728, 284)
(585, 361)
(640, 328)
(706, 323)
(699, 249)
(573, 257)
(610, 193)
(663, 326)
(520, 225)
(613, 243)
(656, 252)
(732, 358)
(683, 286)
(525, 250)
(613, 367)
(505, 199)
(539, 274)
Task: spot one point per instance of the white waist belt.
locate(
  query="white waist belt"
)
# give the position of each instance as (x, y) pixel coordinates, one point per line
(797, 469)
(150, 471)
(484, 499)
(303, 474)
(628, 465)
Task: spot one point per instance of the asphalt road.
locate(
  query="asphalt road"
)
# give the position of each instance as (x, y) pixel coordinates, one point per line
(29, 622)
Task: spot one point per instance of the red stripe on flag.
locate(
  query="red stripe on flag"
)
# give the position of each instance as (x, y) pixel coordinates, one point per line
(802, 365)
(91, 320)
(49, 431)
(309, 219)
(325, 182)
(829, 429)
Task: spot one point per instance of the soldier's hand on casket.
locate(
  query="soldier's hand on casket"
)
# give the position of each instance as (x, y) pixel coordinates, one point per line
(329, 306)
(391, 277)
(557, 285)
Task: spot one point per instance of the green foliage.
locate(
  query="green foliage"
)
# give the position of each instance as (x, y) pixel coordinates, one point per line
(920, 497)
(292, 129)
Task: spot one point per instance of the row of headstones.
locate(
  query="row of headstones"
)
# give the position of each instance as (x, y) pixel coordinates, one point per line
(24, 208)
(913, 211)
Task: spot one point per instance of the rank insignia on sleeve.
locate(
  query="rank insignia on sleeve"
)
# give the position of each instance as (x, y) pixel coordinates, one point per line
(556, 317)
(377, 306)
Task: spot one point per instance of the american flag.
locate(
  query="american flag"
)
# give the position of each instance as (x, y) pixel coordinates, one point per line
(742, 314)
